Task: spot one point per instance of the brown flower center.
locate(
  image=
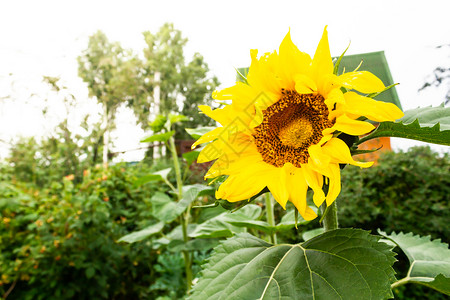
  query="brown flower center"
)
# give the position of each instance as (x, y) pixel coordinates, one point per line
(290, 126)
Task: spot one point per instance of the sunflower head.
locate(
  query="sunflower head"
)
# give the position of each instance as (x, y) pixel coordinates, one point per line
(281, 128)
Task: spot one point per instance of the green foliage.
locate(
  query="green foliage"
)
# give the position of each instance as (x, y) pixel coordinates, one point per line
(324, 267)
(427, 124)
(429, 260)
(56, 241)
(48, 160)
(405, 191)
(159, 137)
(190, 81)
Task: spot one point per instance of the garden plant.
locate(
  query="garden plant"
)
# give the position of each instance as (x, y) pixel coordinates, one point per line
(273, 203)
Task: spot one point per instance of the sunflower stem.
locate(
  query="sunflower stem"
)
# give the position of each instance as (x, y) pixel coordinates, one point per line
(330, 218)
(184, 218)
(270, 217)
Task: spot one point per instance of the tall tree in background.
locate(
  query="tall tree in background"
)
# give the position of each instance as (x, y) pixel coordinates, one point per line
(112, 75)
(182, 86)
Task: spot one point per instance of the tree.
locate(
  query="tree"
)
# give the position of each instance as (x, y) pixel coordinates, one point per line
(112, 76)
(183, 86)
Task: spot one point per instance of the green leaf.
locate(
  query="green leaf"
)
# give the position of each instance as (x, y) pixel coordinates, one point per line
(159, 137)
(307, 235)
(159, 175)
(288, 220)
(177, 118)
(287, 223)
(427, 124)
(429, 116)
(191, 156)
(158, 124)
(167, 210)
(193, 245)
(220, 225)
(190, 193)
(90, 272)
(142, 234)
(429, 260)
(196, 133)
(339, 264)
(164, 208)
(163, 173)
(338, 62)
(147, 178)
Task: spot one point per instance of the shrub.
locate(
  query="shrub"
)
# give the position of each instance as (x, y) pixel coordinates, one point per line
(406, 191)
(60, 242)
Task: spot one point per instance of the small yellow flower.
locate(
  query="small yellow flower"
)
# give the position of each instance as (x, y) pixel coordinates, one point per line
(280, 129)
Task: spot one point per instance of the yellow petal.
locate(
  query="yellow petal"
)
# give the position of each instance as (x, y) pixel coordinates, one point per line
(315, 181)
(349, 126)
(362, 81)
(304, 84)
(238, 188)
(261, 73)
(209, 136)
(335, 96)
(340, 153)
(211, 151)
(334, 187)
(221, 115)
(245, 184)
(322, 63)
(318, 157)
(292, 61)
(298, 187)
(374, 110)
(276, 183)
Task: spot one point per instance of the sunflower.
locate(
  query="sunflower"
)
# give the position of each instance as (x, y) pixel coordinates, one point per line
(281, 129)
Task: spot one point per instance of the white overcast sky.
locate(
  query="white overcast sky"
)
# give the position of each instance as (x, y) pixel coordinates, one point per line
(44, 38)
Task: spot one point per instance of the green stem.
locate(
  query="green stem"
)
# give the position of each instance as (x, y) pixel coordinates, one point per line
(330, 218)
(184, 218)
(270, 217)
(400, 282)
(177, 168)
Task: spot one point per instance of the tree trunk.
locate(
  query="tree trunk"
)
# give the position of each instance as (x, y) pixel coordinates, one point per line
(105, 134)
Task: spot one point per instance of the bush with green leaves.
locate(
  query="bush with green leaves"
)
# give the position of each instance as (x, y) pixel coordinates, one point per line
(405, 191)
(61, 242)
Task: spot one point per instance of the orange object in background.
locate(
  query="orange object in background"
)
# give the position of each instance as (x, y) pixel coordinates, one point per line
(383, 142)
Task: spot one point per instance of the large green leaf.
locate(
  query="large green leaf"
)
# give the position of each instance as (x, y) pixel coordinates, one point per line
(159, 137)
(339, 264)
(427, 124)
(429, 260)
(220, 225)
(142, 234)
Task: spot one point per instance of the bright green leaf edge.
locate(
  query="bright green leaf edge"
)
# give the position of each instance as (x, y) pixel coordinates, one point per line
(427, 124)
(142, 234)
(429, 260)
(159, 137)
